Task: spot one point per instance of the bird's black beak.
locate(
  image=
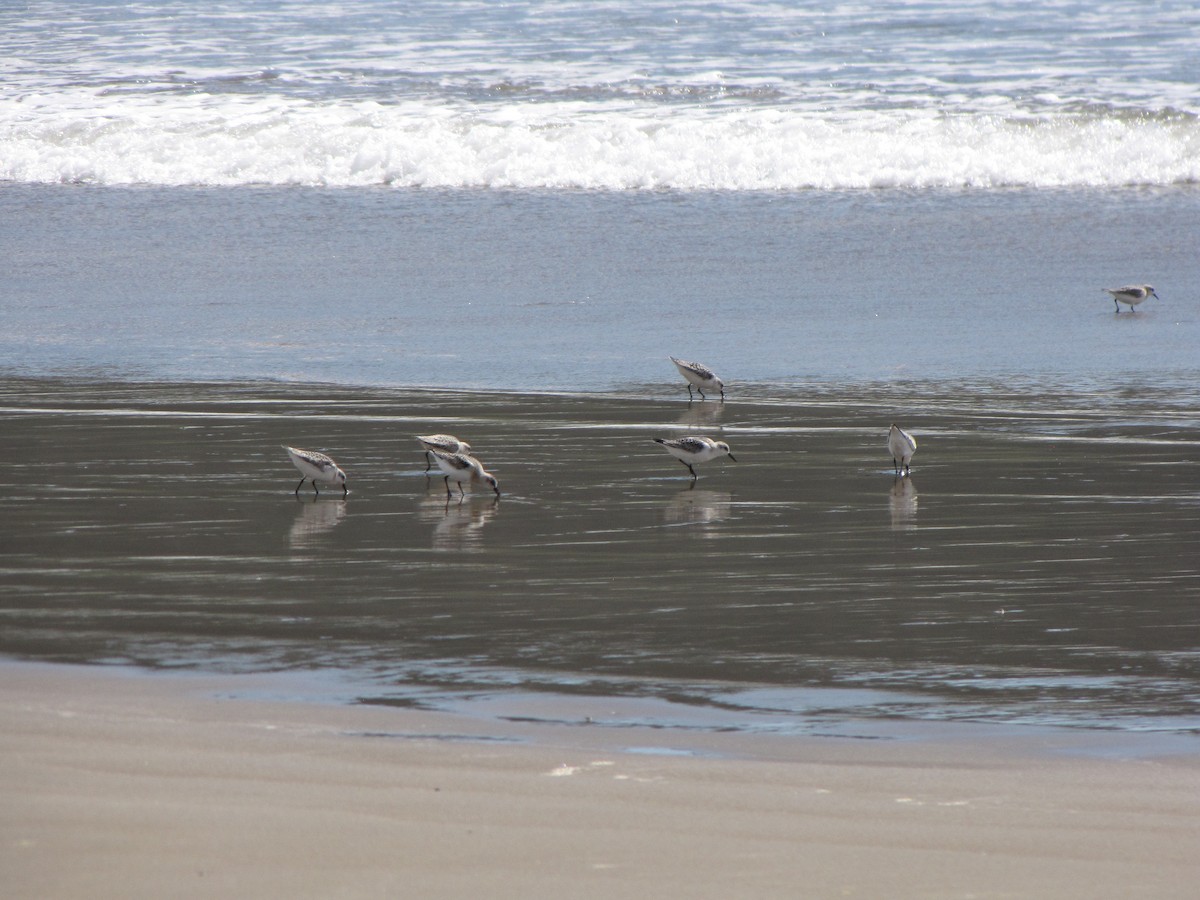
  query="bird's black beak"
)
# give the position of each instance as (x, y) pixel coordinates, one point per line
(731, 456)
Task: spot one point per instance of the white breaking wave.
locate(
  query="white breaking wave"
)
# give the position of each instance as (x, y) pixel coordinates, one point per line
(613, 95)
(269, 141)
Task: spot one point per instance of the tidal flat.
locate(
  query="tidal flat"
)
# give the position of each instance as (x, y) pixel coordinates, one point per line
(1039, 567)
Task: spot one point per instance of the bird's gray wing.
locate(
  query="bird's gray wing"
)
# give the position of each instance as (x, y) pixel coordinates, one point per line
(456, 460)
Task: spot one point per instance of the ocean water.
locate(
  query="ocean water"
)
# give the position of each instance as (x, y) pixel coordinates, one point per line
(602, 95)
(534, 196)
(574, 290)
(230, 226)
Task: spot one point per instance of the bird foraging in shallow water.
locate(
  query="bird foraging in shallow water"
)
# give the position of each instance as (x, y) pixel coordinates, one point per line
(1131, 295)
(443, 443)
(693, 450)
(316, 467)
(461, 468)
(902, 446)
(699, 375)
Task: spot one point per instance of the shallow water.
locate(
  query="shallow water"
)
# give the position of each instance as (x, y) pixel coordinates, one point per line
(580, 291)
(1040, 566)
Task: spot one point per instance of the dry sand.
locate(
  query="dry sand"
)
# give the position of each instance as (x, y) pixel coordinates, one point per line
(131, 787)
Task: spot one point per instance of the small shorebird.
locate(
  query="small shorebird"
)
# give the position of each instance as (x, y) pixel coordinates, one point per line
(1131, 295)
(699, 375)
(460, 468)
(316, 467)
(902, 446)
(443, 443)
(692, 450)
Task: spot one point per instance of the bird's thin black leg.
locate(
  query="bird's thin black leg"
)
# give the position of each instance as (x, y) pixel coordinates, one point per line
(300, 485)
(690, 397)
(700, 391)
(447, 485)
(428, 460)
(690, 469)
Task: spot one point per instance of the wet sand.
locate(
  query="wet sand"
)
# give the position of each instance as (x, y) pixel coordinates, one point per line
(1039, 566)
(145, 787)
(608, 683)
(750, 687)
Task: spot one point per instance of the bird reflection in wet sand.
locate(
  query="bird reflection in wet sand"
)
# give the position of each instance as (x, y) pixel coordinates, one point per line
(456, 527)
(314, 521)
(693, 507)
(902, 502)
(702, 415)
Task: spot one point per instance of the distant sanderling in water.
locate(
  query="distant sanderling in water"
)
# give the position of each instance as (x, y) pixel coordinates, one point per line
(442, 443)
(461, 468)
(902, 446)
(693, 450)
(316, 467)
(1131, 295)
(699, 375)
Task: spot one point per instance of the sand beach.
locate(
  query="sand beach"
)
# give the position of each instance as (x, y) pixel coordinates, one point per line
(609, 682)
(140, 787)
(227, 229)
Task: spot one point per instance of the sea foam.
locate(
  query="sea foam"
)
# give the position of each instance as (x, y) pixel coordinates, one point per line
(205, 141)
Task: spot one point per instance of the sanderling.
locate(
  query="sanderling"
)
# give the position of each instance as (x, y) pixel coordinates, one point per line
(460, 467)
(443, 443)
(316, 467)
(691, 450)
(902, 446)
(1131, 295)
(699, 375)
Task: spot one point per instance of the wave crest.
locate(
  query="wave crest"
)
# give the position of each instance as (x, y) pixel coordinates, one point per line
(574, 148)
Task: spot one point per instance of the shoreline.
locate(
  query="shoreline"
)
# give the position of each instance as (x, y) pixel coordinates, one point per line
(800, 390)
(171, 510)
(626, 724)
(136, 786)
